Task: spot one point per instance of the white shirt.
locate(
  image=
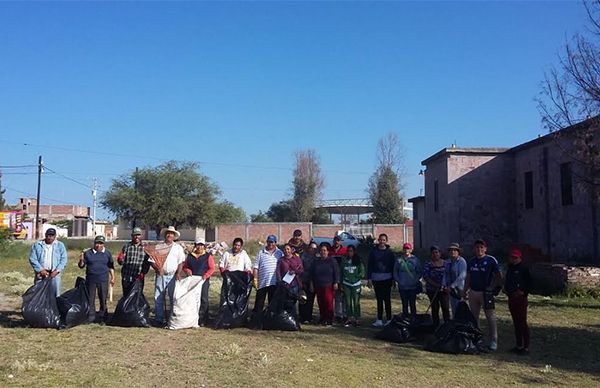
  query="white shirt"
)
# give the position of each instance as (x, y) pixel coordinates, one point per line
(48, 251)
(239, 262)
(175, 257)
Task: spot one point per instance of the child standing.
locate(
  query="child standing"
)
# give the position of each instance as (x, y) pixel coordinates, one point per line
(517, 287)
(353, 271)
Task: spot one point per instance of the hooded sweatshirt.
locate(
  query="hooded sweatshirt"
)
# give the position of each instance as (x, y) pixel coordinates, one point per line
(380, 264)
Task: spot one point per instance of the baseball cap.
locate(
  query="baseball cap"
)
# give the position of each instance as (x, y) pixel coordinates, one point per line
(136, 231)
(51, 232)
(271, 238)
(515, 253)
(100, 239)
(407, 246)
(199, 241)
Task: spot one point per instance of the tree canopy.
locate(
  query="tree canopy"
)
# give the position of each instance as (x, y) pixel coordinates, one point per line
(385, 184)
(173, 193)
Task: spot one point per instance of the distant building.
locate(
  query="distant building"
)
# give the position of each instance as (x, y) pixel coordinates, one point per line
(52, 213)
(529, 195)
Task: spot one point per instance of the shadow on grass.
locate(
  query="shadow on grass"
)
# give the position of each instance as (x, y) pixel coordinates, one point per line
(570, 304)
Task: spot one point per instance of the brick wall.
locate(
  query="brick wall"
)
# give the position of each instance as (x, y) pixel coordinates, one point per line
(284, 231)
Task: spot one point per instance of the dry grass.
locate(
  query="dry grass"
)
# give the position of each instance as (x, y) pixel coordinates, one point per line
(565, 351)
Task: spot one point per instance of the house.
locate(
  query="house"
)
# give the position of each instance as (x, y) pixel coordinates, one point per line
(532, 196)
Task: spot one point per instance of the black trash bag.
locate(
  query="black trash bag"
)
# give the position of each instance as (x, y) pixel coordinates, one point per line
(235, 293)
(74, 305)
(395, 331)
(405, 328)
(39, 305)
(132, 309)
(281, 313)
(458, 336)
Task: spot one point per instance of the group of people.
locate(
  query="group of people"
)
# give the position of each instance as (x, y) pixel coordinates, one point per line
(330, 273)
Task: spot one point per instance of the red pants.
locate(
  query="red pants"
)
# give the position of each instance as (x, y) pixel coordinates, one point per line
(518, 310)
(325, 300)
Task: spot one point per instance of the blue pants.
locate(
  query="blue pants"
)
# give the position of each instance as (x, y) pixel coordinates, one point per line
(163, 286)
(409, 300)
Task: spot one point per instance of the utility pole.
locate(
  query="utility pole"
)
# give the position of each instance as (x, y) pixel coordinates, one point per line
(38, 199)
(135, 186)
(94, 192)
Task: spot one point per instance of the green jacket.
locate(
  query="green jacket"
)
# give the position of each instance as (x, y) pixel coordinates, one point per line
(351, 274)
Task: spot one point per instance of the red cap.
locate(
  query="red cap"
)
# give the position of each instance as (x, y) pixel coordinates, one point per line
(407, 246)
(515, 253)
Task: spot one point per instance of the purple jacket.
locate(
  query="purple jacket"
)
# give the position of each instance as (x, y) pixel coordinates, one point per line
(293, 264)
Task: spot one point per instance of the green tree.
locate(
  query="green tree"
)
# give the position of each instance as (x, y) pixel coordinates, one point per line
(281, 212)
(260, 217)
(385, 184)
(173, 193)
(307, 185)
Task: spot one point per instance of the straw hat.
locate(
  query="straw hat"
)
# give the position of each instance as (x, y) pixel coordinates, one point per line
(164, 231)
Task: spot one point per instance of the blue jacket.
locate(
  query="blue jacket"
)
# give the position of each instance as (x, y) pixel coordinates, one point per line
(407, 273)
(455, 273)
(59, 256)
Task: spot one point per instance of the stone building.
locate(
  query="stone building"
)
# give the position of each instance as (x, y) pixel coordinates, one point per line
(532, 196)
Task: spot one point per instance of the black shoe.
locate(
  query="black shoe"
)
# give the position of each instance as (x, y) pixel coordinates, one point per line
(516, 350)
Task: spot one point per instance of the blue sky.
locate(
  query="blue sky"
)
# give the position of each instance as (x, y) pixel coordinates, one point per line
(100, 88)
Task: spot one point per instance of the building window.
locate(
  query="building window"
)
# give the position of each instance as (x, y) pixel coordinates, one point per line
(566, 184)
(436, 205)
(529, 190)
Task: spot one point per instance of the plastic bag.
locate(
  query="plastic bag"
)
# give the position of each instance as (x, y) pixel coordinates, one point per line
(281, 312)
(186, 303)
(39, 305)
(132, 309)
(74, 305)
(403, 329)
(235, 293)
(458, 336)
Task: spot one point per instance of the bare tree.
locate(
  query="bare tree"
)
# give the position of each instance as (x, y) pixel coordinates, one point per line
(386, 184)
(570, 98)
(307, 185)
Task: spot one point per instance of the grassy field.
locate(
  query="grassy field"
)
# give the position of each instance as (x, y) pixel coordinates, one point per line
(565, 349)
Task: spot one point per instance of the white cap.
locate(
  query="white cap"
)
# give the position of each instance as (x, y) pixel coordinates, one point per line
(199, 241)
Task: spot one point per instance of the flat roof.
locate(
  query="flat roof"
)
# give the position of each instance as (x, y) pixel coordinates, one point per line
(465, 151)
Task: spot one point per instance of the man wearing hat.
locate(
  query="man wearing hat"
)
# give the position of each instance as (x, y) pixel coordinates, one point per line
(455, 273)
(134, 260)
(99, 271)
(297, 242)
(265, 279)
(165, 275)
(48, 257)
(199, 263)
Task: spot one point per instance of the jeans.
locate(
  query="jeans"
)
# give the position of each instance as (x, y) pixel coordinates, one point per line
(163, 286)
(340, 304)
(409, 301)
(203, 313)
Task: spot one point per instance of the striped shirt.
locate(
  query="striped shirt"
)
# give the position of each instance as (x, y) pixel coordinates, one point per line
(266, 264)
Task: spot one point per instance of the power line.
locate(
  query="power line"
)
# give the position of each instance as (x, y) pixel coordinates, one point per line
(23, 166)
(29, 195)
(250, 166)
(68, 178)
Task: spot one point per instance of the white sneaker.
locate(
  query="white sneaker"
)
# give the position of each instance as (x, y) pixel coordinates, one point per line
(493, 345)
(378, 323)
